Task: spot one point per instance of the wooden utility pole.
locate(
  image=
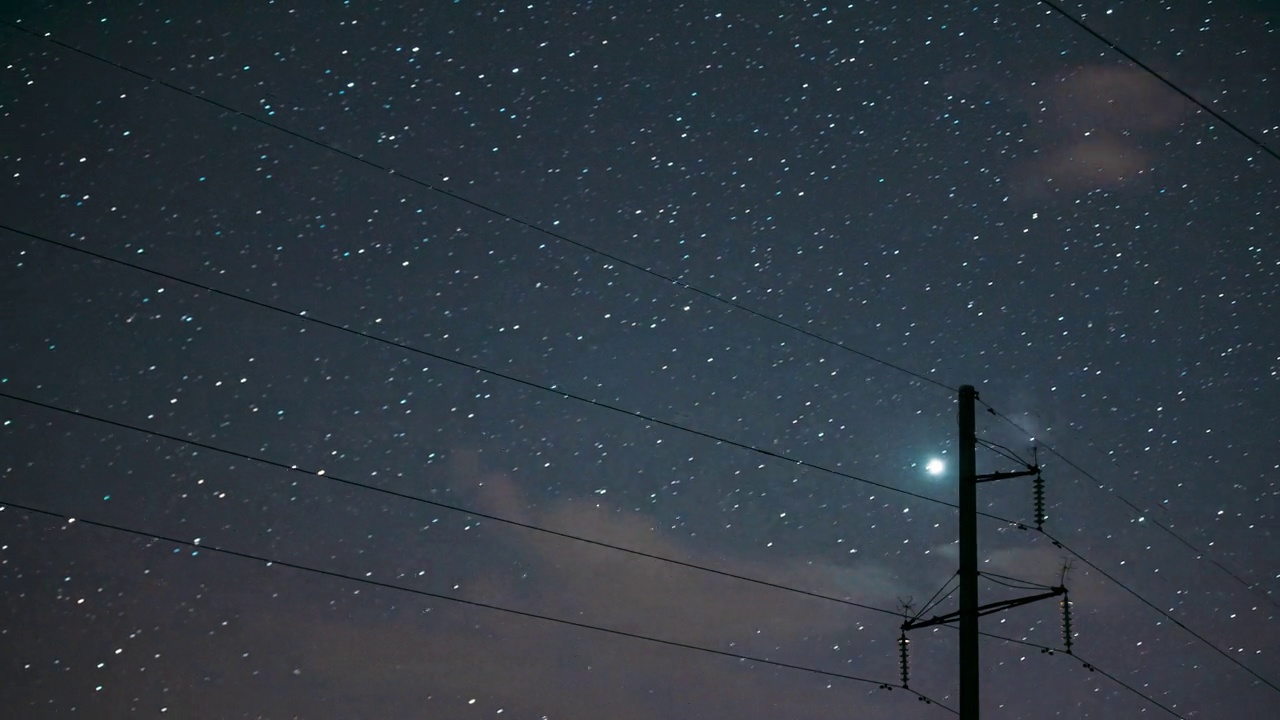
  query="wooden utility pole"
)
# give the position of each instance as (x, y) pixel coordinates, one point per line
(968, 478)
(970, 610)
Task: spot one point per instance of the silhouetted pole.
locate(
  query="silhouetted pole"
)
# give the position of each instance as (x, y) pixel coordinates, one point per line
(969, 612)
(968, 558)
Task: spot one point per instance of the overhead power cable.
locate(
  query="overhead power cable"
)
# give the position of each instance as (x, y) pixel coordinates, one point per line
(622, 261)
(329, 477)
(1013, 582)
(1094, 668)
(528, 383)
(561, 237)
(1166, 81)
(1014, 585)
(991, 410)
(1003, 452)
(503, 520)
(1165, 614)
(338, 479)
(480, 206)
(1088, 666)
(935, 599)
(204, 546)
(306, 317)
(1138, 512)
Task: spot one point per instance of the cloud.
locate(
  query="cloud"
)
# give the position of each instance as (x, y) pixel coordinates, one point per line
(1099, 161)
(538, 668)
(1117, 98)
(1090, 131)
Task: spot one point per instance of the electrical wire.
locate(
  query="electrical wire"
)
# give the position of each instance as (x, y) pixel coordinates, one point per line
(1139, 513)
(1030, 584)
(1015, 586)
(584, 246)
(325, 476)
(1002, 451)
(337, 479)
(941, 600)
(1167, 82)
(1165, 614)
(622, 261)
(481, 206)
(933, 601)
(306, 317)
(528, 383)
(207, 547)
(1088, 666)
(1094, 668)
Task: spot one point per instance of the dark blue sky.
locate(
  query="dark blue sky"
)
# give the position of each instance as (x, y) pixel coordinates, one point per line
(979, 194)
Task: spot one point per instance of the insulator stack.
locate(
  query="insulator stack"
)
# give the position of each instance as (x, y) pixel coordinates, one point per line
(903, 644)
(1066, 623)
(1039, 496)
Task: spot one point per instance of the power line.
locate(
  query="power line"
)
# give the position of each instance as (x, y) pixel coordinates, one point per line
(207, 547)
(1094, 668)
(1166, 615)
(1167, 82)
(935, 601)
(1091, 667)
(1087, 666)
(496, 373)
(1003, 452)
(1013, 582)
(434, 503)
(1139, 513)
(584, 246)
(481, 206)
(474, 513)
(1113, 579)
(528, 383)
(622, 261)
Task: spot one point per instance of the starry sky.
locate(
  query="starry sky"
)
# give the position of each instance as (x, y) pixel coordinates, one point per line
(360, 290)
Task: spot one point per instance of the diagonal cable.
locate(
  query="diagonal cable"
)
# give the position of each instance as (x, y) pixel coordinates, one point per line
(1137, 510)
(1087, 666)
(206, 547)
(935, 599)
(305, 317)
(622, 261)
(1022, 584)
(1165, 614)
(434, 503)
(535, 385)
(1167, 82)
(672, 280)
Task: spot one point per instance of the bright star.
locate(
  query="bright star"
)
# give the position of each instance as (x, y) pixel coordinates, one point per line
(935, 466)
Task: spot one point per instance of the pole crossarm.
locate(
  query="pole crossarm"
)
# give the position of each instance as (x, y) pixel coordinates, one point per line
(988, 477)
(987, 609)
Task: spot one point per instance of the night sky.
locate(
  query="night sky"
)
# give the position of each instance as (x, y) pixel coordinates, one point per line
(502, 256)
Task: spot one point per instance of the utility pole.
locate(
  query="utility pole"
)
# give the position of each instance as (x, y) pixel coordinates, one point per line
(970, 610)
(968, 477)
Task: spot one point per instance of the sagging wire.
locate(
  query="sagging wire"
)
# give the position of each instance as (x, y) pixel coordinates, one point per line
(935, 600)
(1014, 583)
(1003, 451)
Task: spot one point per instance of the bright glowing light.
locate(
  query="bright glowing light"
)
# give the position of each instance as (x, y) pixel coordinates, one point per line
(935, 466)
